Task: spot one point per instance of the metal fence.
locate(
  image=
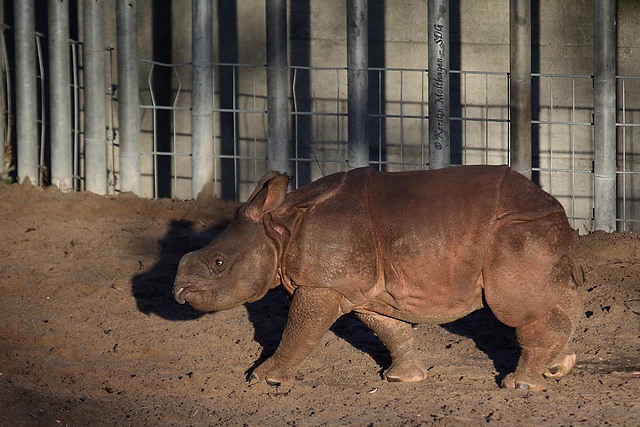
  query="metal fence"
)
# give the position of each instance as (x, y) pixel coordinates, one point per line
(398, 130)
(77, 132)
(628, 167)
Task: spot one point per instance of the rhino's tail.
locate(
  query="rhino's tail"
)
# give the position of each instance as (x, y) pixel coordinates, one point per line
(577, 272)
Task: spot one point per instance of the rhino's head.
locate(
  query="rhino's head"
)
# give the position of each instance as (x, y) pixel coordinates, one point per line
(240, 264)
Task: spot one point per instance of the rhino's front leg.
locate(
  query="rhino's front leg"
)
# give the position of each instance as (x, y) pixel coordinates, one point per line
(398, 336)
(312, 312)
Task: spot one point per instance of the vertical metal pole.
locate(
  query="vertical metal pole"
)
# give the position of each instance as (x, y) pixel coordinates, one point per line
(439, 94)
(127, 40)
(3, 107)
(95, 148)
(201, 97)
(604, 119)
(520, 86)
(60, 96)
(358, 82)
(278, 147)
(26, 103)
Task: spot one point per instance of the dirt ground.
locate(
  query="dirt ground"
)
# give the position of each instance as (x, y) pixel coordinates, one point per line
(90, 335)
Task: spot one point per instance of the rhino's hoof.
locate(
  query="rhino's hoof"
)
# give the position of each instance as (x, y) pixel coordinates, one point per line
(509, 381)
(561, 366)
(523, 384)
(272, 381)
(406, 372)
(273, 373)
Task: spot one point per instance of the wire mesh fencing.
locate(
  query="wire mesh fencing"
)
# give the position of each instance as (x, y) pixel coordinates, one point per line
(562, 130)
(628, 161)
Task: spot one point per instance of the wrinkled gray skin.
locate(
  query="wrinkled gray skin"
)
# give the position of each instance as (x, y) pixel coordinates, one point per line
(396, 249)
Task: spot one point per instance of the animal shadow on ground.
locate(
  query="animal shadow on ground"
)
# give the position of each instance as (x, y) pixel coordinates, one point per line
(152, 289)
(492, 337)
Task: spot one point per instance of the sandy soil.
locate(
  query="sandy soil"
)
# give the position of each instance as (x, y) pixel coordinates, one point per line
(90, 335)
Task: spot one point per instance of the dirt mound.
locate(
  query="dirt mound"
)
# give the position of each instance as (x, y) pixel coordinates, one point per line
(90, 334)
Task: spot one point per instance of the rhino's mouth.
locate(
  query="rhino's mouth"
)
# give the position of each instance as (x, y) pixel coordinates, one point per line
(197, 297)
(180, 294)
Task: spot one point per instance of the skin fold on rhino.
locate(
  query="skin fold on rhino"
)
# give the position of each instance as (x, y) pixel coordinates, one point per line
(396, 249)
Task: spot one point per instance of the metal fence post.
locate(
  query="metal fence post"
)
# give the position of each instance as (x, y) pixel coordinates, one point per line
(60, 92)
(127, 40)
(3, 107)
(439, 94)
(604, 118)
(95, 148)
(358, 82)
(201, 97)
(277, 87)
(520, 86)
(26, 102)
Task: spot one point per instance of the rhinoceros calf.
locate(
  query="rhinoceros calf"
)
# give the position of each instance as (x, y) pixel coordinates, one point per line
(396, 249)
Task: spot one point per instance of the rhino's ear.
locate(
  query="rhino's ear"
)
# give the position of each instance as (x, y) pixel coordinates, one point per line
(268, 195)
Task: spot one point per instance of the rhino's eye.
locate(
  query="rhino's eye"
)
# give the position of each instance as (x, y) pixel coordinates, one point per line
(219, 264)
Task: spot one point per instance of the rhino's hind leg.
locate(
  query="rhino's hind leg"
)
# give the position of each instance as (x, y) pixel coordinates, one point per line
(564, 362)
(528, 284)
(399, 338)
(544, 347)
